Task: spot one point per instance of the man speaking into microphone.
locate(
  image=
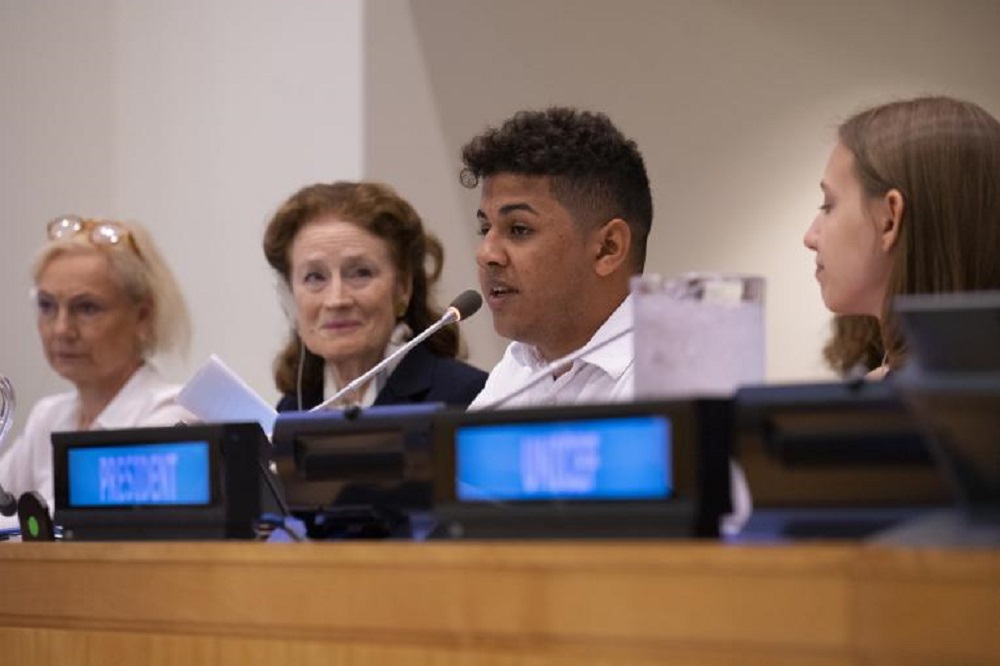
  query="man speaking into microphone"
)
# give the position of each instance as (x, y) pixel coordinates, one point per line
(356, 270)
(565, 211)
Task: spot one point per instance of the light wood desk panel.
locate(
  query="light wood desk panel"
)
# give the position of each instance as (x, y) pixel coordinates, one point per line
(534, 603)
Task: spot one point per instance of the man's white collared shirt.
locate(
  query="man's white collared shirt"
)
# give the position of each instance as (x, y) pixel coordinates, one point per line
(603, 375)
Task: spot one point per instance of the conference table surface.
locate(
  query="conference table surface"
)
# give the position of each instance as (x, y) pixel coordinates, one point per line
(504, 602)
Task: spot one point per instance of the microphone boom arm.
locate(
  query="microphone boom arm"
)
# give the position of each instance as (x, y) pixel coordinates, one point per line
(464, 306)
(555, 366)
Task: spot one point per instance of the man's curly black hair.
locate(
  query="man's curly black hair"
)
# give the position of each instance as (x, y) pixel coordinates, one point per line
(594, 171)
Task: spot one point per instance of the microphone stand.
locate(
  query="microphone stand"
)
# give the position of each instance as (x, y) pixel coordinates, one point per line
(450, 316)
(8, 503)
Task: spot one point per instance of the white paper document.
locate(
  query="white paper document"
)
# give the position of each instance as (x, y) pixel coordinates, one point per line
(217, 394)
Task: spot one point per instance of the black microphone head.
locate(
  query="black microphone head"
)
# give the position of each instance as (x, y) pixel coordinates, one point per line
(467, 303)
(8, 503)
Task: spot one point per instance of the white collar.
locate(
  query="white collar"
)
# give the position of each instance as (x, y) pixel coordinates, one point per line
(609, 358)
(400, 335)
(120, 412)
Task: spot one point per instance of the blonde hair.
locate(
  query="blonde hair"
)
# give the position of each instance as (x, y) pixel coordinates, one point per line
(139, 269)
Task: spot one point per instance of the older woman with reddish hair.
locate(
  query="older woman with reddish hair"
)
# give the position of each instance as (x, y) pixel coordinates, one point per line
(356, 269)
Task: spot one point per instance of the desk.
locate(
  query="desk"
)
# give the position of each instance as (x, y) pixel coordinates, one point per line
(531, 604)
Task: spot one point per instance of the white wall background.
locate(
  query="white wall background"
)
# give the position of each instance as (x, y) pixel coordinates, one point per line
(199, 117)
(734, 104)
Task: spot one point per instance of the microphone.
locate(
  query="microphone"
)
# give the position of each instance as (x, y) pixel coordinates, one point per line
(8, 503)
(34, 517)
(554, 367)
(464, 306)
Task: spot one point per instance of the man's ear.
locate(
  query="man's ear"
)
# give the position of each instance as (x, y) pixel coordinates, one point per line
(613, 245)
(890, 218)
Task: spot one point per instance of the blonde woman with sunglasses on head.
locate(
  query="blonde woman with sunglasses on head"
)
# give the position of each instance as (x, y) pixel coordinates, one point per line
(105, 304)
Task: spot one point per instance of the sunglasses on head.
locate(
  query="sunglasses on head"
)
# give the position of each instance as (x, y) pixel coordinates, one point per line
(98, 232)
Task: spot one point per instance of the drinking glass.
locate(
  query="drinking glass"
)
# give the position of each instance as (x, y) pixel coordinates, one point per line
(697, 334)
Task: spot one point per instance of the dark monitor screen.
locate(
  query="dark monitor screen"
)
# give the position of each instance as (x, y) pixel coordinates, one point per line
(952, 383)
(956, 333)
(833, 444)
(379, 455)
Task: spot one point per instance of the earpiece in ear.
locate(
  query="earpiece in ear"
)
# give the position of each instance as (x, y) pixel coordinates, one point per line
(287, 302)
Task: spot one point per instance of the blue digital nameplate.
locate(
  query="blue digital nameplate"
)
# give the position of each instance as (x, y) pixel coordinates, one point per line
(615, 458)
(174, 474)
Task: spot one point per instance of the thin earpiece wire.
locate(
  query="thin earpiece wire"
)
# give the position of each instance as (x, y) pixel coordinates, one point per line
(298, 373)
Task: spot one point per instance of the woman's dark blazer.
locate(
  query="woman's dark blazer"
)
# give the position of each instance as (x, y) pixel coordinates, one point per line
(420, 377)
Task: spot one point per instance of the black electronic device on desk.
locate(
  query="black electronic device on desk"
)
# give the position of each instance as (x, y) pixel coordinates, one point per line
(951, 381)
(183, 482)
(358, 473)
(837, 460)
(640, 470)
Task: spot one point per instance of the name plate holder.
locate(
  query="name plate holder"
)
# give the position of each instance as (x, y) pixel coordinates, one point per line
(639, 470)
(183, 482)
